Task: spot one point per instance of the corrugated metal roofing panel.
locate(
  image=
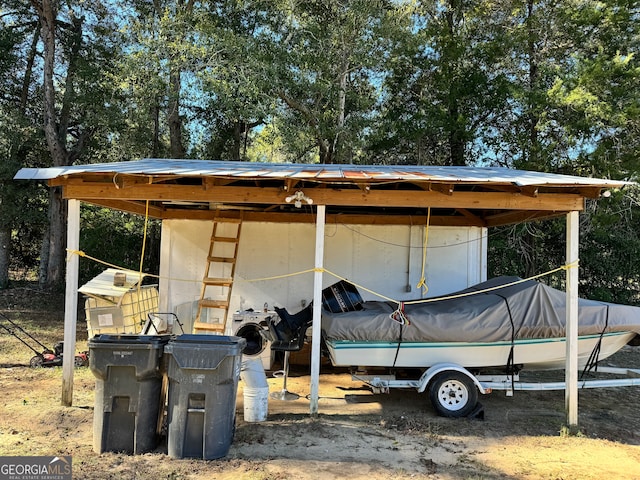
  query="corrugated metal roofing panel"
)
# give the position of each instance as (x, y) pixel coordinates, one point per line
(320, 172)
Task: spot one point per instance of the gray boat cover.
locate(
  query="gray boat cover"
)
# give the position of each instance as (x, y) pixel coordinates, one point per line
(524, 310)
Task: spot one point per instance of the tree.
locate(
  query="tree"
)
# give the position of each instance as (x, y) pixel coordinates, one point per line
(70, 106)
(323, 60)
(444, 88)
(575, 110)
(18, 137)
(236, 94)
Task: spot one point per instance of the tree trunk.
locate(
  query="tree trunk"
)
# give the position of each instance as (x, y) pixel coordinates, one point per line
(18, 156)
(175, 122)
(5, 255)
(24, 96)
(48, 14)
(44, 258)
(340, 121)
(57, 237)
(456, 135)
(56, 132)
(238, 130)
(532, 116)
(155, 143)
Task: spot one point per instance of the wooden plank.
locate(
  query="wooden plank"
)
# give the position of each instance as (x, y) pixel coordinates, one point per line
(221, 304)
(221, 259)
(571, 365)
(224, 239)
(209, 327)
(220, 282)
(330, 196)
(71, 303)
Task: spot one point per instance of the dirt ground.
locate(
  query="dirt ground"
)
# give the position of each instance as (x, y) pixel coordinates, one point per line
(357, 434)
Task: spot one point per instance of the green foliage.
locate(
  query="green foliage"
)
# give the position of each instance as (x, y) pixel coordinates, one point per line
(116, 238)
(610, 249)
(532, 84)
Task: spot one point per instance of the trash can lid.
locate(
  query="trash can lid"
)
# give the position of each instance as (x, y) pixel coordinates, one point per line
(129, 340)
(194, 338)
(203, 352)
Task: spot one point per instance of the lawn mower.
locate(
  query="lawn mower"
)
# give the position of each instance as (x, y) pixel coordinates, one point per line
(45, 358)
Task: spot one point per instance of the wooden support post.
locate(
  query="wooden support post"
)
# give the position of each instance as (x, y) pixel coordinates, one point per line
(71, 302)
(571, 367)
(317, 306)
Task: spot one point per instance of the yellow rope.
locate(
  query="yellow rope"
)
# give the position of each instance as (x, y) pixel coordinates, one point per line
(497, 287)
(422, 284)
(285, 275)
(80, 253)
(574, 264)
(144, 245)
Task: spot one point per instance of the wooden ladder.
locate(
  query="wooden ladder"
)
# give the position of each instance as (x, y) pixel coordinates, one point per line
(219, 272)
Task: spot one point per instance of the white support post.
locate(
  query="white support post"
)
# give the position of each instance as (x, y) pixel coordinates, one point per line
(71, 302)
(571, 367)
(317, 305)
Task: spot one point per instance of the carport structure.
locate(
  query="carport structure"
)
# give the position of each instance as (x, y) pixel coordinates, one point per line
(358, 194)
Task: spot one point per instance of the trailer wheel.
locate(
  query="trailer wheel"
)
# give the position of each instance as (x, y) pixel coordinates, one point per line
(453, 394)
(36, 361)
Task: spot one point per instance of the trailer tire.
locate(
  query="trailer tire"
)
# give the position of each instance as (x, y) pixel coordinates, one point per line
(453, 394)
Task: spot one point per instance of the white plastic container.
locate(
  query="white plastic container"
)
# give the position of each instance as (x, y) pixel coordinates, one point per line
(255, 390)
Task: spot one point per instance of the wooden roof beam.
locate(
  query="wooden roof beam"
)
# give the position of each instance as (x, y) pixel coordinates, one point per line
(519, 216)
(473, 219)
(294, 217)
(138, 208)
(330, 197)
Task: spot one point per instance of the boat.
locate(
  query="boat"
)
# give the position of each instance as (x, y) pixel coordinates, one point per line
(506, 322)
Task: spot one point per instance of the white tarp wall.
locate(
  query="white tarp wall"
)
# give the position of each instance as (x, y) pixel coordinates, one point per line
(386, 259)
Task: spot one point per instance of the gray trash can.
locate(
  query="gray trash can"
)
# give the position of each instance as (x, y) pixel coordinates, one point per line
(203, 372)
(129, 394)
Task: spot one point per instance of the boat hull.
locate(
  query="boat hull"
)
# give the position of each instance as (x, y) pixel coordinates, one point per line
(532, 354)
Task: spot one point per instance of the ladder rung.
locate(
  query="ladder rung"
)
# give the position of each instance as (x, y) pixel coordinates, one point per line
(224, 239)
(222, 259)
(214, 303)
(218, 282)
(228, 220)
(210, 327)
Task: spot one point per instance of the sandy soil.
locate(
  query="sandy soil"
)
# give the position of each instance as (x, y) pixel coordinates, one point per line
(357, 435)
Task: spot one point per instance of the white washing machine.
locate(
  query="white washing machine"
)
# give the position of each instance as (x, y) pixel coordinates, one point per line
(246, 324)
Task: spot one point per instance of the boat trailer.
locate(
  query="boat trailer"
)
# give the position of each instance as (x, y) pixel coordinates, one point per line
(453, 390)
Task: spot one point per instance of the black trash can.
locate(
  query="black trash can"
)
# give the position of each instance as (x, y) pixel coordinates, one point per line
(129, 394)
(203, 372)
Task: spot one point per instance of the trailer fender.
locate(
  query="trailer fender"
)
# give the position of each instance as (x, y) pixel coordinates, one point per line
(443, 367)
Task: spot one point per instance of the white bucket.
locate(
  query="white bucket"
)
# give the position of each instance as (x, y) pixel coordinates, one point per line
(252, 373)
(256, 404)
(256, 390)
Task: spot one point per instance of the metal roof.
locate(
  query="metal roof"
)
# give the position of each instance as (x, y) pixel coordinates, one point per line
(206, 189)
(335, 173)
